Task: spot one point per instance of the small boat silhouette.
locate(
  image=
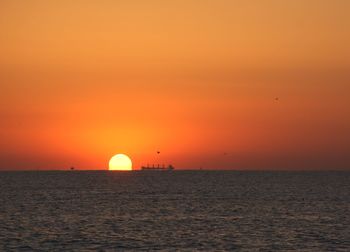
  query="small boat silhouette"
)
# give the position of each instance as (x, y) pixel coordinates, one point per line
(157, 168)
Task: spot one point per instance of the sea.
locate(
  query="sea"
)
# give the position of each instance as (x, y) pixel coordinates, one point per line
(174, 211)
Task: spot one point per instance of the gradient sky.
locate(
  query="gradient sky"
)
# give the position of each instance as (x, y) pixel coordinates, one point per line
(82, 80)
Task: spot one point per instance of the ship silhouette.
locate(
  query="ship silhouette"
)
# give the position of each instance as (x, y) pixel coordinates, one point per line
(157, 168)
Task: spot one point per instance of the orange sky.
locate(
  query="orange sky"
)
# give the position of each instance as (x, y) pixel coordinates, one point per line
(83, 80)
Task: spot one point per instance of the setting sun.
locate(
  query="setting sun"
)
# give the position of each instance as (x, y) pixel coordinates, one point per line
(120, 162)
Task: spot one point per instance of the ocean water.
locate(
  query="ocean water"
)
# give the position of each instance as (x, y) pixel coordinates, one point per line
(175, 211)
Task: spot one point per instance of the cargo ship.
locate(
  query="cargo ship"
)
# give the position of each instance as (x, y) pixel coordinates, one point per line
(157, 168)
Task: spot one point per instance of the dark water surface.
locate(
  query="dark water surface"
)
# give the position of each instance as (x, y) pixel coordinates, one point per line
(181, 210)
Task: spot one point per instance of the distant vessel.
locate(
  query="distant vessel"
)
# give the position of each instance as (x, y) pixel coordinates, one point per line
(157, 168)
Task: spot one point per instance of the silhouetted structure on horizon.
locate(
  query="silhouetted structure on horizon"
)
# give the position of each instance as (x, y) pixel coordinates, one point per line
(157, 168)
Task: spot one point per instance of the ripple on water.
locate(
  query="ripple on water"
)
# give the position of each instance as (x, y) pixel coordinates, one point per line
(58, 211)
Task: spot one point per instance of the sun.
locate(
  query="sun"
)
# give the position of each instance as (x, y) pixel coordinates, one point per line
(120, 162)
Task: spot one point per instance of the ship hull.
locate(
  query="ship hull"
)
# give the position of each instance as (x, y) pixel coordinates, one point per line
(156, 169)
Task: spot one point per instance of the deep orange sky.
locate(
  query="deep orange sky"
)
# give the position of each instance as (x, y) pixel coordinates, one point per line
(82, 80)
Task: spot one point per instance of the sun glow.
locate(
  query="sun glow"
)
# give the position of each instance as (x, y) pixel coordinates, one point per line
(120, 162)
